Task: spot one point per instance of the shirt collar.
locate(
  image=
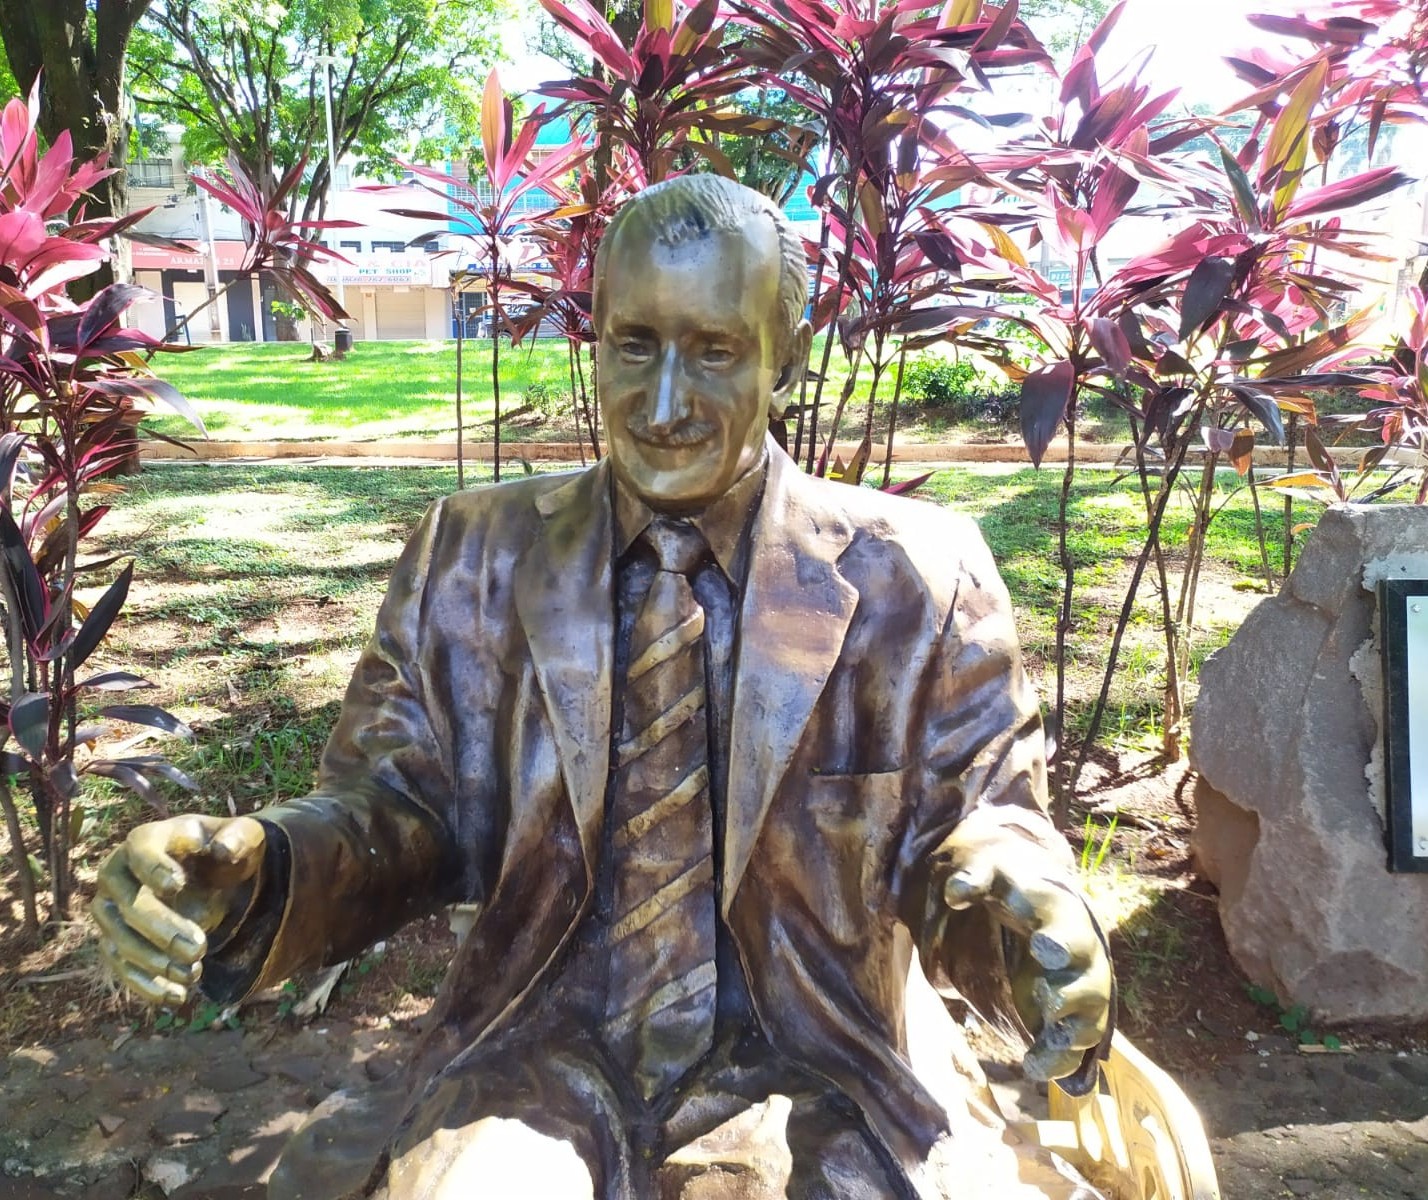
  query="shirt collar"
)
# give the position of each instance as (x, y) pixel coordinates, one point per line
(724, 523)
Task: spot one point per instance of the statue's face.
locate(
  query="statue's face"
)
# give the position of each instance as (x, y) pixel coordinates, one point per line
(687, 360)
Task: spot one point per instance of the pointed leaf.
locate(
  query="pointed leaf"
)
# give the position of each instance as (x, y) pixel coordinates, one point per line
(1262, 405)
(123, 774)
(101, 617)
(1241, 452)
(494, 134)
(106, 308)
(147, 714)
(1045, 394)
(30, 722)
(28, 587)
(115, 681)
(1204, 292)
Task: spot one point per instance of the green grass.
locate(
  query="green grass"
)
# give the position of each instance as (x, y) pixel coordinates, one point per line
(256, 586)
(270, 392)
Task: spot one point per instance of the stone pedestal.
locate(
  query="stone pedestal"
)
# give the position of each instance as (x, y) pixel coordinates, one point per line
(1286, 739)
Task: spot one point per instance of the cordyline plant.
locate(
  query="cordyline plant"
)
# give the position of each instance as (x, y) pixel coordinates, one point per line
(663, 96)
(1227, 321)
(511, 173)
(881, 81)
(71, 383)
(1372, 56)
(275, 245)
(562, 283)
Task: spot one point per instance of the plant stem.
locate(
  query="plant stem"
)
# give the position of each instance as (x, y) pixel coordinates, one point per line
(495, 299)
(892, 415)
(1288, 499)
(803, 386)
(1061, 805)
(591, 410)
(1152, 540)
(575, 396)
(22, 862)
(845, 269)
(1259, 534)
(460, 424)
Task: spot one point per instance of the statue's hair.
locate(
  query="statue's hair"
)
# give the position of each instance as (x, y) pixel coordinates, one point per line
(693, 206)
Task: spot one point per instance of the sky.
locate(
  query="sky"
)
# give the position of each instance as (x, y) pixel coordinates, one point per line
(1190, 38)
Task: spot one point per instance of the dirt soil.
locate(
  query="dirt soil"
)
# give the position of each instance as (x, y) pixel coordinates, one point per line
(106, 1100)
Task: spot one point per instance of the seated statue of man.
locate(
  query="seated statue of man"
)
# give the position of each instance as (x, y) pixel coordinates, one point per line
(734, 762)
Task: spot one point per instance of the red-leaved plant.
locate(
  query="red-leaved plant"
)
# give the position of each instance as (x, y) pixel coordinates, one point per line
(72, 387)
(493, 225)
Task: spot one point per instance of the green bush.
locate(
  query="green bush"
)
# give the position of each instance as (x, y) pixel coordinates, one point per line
(943, 383)
(956, 389)
(546, 398)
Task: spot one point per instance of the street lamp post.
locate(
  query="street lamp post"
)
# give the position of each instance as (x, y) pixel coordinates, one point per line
(328, 61)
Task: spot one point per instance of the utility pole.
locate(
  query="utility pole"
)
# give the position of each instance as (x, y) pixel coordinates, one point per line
(210, 264)
(328, 61)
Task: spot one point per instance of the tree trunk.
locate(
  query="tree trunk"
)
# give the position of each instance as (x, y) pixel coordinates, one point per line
(79, 59)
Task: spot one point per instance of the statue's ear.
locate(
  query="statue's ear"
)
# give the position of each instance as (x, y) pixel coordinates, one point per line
(792, 369)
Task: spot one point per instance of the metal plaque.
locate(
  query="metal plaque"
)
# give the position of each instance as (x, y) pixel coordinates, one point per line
(1403, 613)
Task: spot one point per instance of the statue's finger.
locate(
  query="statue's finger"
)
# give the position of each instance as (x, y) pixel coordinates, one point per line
(179, 938)
(970, 884)
(239, 843)
(123, 943)
(156, 850)
(1052, 1056)
(145, 986)
(1055, 923)
(1079, 1007)
(115, 880)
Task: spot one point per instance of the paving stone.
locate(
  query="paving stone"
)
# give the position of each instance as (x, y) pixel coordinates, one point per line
(116, 1183)
(231, 1076)
(193, 1118)
(1415, 1070)
(302, 1071)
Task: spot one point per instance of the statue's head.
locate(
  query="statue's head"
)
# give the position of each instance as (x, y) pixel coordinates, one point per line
(700, 288)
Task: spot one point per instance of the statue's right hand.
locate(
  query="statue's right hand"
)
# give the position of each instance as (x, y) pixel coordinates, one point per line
(164, 890)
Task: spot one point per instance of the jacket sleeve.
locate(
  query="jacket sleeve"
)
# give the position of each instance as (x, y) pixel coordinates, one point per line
(370, 848)
(984, 766)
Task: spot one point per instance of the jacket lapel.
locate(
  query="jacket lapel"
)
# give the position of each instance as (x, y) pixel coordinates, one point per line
(795, 613)
(564, 598)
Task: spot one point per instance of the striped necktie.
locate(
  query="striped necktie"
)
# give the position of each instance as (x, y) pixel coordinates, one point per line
(659, 1016)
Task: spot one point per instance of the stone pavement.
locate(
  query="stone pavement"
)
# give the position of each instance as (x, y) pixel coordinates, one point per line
(201, 1116)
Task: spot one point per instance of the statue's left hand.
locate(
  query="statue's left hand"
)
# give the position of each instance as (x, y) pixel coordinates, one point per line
(1062, 981)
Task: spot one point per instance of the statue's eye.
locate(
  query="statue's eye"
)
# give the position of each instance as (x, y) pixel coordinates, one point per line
(717, 356)
(634, 349)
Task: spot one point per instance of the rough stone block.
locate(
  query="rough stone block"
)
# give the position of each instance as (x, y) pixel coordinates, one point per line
(1285, 739)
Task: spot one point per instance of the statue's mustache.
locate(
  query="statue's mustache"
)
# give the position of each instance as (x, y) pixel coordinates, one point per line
(688, 432)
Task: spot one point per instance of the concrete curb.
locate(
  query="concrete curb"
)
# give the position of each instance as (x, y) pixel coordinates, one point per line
(445, 451)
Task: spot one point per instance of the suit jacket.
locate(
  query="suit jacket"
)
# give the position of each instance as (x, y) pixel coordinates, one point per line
(878, 702)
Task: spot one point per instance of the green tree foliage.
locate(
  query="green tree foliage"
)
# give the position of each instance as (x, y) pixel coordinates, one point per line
(245, 80)
(77, 48)
(1063, 25)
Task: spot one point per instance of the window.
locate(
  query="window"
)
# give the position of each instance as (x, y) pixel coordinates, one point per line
(356, 247)
(394, 247)
(150, 174)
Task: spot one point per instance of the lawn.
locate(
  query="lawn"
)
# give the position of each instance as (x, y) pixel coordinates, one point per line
(256, 586)
(270, 392)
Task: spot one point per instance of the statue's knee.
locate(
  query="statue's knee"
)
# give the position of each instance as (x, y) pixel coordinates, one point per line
(495, 1158)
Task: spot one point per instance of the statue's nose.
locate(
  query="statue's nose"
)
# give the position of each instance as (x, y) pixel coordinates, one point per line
(671, 393)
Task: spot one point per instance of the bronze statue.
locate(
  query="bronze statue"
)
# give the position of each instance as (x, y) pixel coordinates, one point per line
(734, 762)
